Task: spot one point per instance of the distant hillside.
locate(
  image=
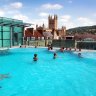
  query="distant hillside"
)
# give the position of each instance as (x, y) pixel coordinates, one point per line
(81, 30)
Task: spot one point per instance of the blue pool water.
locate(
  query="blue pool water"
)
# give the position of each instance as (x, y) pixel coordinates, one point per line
(67, 75)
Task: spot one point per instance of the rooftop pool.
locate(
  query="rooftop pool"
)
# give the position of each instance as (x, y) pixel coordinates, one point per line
(67, 75)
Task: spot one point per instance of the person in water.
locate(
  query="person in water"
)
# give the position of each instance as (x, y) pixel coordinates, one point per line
(55, 55)
(35, 57)
(79, 49)
(62, 49)
(79, 55)
(66, 49)
(49, 48)
(70, 49)
(2, 76)
(35, 46)
(75, 49)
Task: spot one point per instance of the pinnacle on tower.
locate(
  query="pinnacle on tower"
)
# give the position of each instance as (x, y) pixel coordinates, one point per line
(49, 17)
(43, 25)
(55, 16)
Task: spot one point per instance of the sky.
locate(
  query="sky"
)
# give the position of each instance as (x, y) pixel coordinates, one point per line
(71, 13)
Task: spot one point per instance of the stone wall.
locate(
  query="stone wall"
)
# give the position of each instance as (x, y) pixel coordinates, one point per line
(38, 42)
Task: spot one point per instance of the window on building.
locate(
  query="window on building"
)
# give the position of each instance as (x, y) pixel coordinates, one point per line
(16, 37)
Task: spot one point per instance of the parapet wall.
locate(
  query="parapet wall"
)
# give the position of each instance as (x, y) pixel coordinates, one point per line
(63, 43)
(86, 45)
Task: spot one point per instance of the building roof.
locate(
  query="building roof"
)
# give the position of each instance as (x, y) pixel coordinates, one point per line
(47, 34)
(37, 34)
(33, 34)
(12, 22)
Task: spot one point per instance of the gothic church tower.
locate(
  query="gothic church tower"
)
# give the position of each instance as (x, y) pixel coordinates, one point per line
(52, 22)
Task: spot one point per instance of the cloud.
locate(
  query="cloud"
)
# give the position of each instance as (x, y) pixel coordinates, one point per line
(94, 14)
(21, 17)
(68, 24)
(65, 18)
(12, 12)
(43, 14)
(2, 13)
(85, 21)
(40, 22)
(52, 6)
(16, 5)
(29, 20)
(25, 19)
(11, 8)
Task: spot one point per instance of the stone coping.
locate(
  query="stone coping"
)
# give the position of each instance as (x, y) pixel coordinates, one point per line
(56, 48)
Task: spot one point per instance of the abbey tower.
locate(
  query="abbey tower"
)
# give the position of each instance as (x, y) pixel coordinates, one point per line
(56, 33)
(52, 22)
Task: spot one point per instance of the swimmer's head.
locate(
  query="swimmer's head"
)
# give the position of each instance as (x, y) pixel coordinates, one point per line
(35, 55)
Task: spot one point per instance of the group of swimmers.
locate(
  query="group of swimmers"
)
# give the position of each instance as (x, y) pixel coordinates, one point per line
(79, 53)
(50, 48)
(62, 49)
(35, 58)
(68, 49)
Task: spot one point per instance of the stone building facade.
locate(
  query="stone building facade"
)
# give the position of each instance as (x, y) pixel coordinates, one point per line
(52, 22)
(52, 28)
